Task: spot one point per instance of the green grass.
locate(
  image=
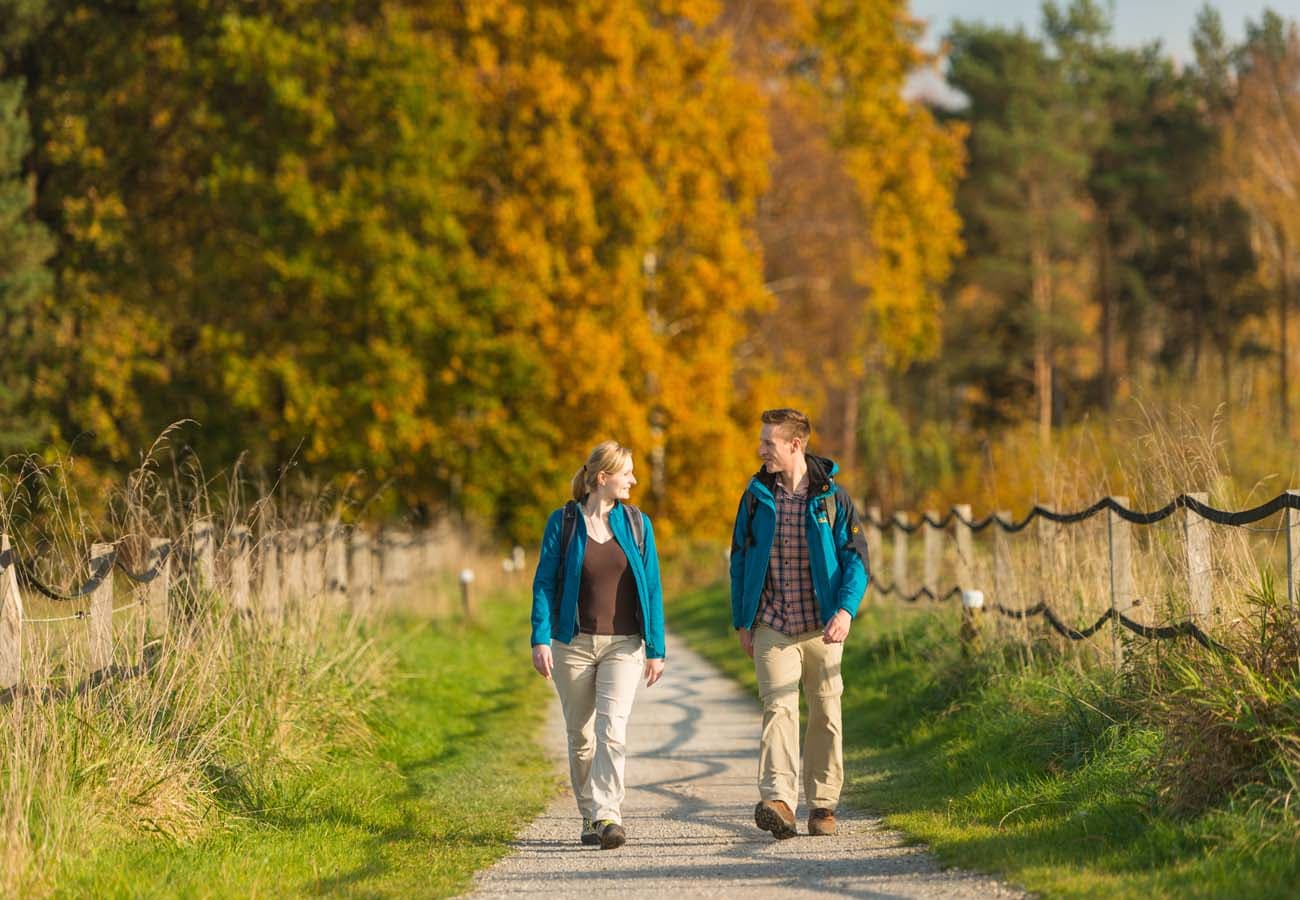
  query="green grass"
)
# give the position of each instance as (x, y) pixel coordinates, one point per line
(1044, 776)
(449, 778)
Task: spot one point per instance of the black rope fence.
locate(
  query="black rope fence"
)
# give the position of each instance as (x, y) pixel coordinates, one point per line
(1137, 517)
(1151, 632)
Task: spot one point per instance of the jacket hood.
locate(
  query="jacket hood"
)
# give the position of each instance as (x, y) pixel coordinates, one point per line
(821, 472)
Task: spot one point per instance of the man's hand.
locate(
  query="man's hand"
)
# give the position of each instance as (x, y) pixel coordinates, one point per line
(746, 641)
(654, 670)
(542, 660)
(837, 629)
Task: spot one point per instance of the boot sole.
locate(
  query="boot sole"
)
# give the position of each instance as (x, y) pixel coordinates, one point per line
(769, 819)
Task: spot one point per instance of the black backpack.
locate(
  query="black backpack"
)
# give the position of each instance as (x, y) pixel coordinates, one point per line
(569, 524)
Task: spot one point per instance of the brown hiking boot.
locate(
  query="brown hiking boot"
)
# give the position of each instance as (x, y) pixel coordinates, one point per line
(821, 821)
(776, 817)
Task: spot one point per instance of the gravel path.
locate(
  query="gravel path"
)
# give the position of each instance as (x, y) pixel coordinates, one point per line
(692, 785)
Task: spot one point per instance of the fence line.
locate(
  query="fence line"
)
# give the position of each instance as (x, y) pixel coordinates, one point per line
(264, 580)
(1120, 577)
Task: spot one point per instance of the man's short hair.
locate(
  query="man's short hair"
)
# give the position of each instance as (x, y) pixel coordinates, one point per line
(793, 424)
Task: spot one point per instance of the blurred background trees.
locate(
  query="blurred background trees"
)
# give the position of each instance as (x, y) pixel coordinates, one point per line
(439, 250)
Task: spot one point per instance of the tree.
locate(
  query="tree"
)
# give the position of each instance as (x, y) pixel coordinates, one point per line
(25, 245)
(262, 229)
(1263, 146)
(858, 227)
(1025, 209)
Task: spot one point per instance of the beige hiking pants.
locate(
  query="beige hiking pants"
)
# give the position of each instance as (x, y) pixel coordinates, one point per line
(596, 677)
(782, 663)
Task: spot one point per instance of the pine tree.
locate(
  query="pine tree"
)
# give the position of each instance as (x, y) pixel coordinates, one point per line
(25, 245)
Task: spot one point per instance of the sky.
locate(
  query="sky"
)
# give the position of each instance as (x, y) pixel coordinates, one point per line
(1136, 21)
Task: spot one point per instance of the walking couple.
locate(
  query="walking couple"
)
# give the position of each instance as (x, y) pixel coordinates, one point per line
(798, 572)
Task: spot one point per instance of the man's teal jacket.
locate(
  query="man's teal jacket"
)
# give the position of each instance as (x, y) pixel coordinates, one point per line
(557, 617)
(837, 554)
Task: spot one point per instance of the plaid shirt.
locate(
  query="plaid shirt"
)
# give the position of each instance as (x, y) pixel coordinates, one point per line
(787, 603)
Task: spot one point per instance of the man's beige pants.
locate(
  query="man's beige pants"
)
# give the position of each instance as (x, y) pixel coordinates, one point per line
(782, 663)
(596, 676)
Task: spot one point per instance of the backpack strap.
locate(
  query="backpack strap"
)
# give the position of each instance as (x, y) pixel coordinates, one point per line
(568, 525)
(636, 521)
(832, 506)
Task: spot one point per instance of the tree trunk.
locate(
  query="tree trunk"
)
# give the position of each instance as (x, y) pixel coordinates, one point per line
(1040, 275)
(1107, 315)
(1283, 303)
(852, 398)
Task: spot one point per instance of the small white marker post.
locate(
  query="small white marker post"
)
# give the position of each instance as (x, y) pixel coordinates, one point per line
(466, 579)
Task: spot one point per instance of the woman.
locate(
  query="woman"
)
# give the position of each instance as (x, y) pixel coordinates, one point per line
(597, 596)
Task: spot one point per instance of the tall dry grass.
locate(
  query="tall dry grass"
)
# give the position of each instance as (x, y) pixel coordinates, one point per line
(236, 707)
(1229, 723)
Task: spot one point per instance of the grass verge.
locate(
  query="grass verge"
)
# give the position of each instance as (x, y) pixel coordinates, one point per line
(436, 789)
(1047, 776)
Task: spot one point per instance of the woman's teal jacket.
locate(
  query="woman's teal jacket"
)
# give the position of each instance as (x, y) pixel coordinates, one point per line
(557, 617)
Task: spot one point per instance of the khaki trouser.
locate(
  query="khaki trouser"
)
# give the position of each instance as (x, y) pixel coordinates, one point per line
(781, 662)
(596, 676)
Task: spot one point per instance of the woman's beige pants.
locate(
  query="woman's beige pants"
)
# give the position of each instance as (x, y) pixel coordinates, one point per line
(782, 663)
(596, 677)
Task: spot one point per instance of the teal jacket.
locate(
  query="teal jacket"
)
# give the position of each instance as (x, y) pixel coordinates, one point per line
(557, 617)
(837, 553)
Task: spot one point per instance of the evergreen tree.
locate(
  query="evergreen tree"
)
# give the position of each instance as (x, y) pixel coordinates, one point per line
(25, 245)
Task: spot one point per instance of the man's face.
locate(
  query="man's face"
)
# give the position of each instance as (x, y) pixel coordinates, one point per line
(778, 452)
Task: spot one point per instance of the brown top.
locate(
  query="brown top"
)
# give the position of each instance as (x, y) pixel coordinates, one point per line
(607, 591)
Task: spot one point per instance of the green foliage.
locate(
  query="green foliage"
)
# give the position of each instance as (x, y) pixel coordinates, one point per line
(25, 244)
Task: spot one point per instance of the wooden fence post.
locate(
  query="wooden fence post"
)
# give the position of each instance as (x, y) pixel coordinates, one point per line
(1292, 555)
(1200, 565)
(336, 561)
(1003, 573)
(238, 569)
(875, 555)
(1122, 591)
(965, 558)
(269, 576)
(11, 619)
(313, 561)
(933, 552)
(383, 560)
(157, 609)
(101, 609)
(292, 561)
(203, 562)
(965, 571)
(361, 569)
(900, 555)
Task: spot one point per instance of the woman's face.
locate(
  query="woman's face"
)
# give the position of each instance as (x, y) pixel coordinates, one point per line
(617, 485)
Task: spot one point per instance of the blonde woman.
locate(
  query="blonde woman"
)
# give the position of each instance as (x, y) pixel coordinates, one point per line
(598, 627)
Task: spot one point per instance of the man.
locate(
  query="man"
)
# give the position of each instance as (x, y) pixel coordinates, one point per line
(798, 572)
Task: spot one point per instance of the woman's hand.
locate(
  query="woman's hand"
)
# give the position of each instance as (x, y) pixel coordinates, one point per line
(542, 661)
(654, 670)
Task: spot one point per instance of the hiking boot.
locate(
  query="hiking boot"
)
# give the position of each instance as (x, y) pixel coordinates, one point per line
(776, 817)
(821, 821)
(611, 834)
(590, 836)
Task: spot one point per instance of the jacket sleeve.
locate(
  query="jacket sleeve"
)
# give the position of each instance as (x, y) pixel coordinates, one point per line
(851, 551)
(739, 547)
(545, 579)
(654, 626)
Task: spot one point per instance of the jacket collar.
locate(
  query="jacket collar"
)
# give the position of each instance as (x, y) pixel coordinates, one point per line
(821, 476)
